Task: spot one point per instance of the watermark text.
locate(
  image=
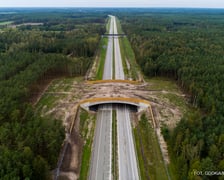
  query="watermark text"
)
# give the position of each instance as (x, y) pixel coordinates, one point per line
(208, 173)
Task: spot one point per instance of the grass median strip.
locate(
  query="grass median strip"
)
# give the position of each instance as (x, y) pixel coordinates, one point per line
(113, 77)
(114, 148)
(103, 51)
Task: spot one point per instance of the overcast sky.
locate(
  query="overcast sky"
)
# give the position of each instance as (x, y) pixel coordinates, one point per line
(113, 3)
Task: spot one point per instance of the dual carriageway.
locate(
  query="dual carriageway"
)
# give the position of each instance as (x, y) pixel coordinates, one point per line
(101, 160)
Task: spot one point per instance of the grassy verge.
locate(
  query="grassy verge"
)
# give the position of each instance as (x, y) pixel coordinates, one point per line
(103, 50)
(161, 83)
(5, 23)
(47, 102)
(167, 91)
(63, 84)
(102, 53)
(123, 57)
(131, 58)
(128, 55)
(149, 155)
(108, 25)
(170, 92)
(87, 133)
(56, 91)
(119, 29)
(114, 146)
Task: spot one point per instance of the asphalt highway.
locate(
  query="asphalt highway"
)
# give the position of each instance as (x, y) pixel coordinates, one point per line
(101, 160)
(108, 66)
(119, 72)
(127, 163)
(100, 168)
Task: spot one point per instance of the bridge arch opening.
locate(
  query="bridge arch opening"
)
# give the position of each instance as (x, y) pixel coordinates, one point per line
(131, 107)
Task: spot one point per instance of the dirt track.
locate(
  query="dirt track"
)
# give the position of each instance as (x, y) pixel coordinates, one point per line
(165, 112)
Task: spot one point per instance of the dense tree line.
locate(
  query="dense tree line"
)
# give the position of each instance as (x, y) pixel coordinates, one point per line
(30, 144)
(80, 42)
(188, 46)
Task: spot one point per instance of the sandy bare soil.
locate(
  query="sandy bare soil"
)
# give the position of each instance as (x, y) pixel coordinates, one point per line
(165, 112)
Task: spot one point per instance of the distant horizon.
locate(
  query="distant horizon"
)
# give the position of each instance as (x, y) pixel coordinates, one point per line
(113, 4)
(67, 7)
